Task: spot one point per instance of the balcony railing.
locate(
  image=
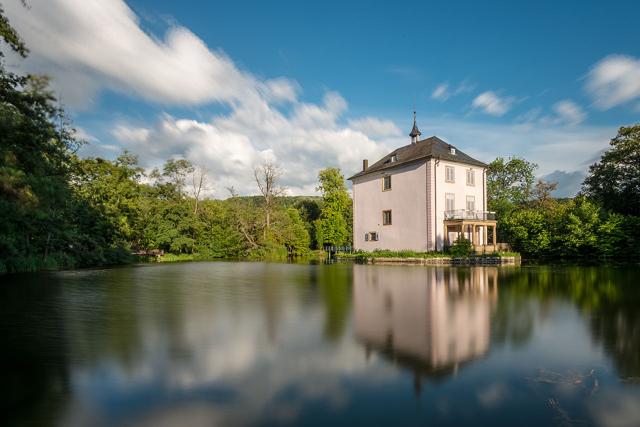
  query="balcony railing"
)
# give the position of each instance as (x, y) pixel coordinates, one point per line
(473, 215)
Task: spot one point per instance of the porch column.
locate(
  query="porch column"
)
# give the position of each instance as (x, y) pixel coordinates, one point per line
(486, 234)
(495, 236)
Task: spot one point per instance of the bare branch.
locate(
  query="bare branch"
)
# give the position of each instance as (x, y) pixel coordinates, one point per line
(200, 183)
(267, 176)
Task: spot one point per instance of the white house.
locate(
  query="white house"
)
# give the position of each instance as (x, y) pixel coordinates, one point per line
(422, 197)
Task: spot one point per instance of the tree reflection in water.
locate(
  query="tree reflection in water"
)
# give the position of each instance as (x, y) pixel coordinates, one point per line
(608, 296)
(264, 344)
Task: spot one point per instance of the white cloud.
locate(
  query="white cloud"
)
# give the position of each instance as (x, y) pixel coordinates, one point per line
(551, 147)
(83, 135)
(493, 104)
(441, 92)
(90, 45)
(464, 87)
(130, 134)
(614, 80)
(281, 89)
(302, 142)
(373, 127)
(564, 112)
(569, 112)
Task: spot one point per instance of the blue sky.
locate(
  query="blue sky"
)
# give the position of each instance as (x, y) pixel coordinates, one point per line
(232, 84)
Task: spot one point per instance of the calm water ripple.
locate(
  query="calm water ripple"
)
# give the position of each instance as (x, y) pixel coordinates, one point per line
(266, 344)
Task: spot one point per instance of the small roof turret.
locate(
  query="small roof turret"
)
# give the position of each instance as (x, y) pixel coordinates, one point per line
(415, 132)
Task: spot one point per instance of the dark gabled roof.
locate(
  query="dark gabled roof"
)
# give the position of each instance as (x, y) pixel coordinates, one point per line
(432, 147)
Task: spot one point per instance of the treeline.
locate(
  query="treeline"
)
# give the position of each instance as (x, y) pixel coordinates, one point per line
(602, 222)
(165, 210)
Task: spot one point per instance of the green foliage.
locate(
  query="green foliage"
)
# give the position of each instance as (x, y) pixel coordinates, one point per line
(614, 181)
(293, 235)
(335, 224)
(10, 36)
(461, 248)
(527, 231)
(309, 208)
(575, 228)
(509, 183)
(601, 224)
(47, 222)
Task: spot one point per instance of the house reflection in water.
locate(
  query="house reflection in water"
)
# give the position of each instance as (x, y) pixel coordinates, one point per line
(429, 320)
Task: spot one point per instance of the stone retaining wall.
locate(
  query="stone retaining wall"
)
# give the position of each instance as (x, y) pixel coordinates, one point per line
(446, 261)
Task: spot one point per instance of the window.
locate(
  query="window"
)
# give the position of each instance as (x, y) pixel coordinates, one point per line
(450, 202)
(452, 150)
(471, 203)
(371, 236)
(471, 177)
(386, 217)
(450, 174)
(394, 158)
(386, 183)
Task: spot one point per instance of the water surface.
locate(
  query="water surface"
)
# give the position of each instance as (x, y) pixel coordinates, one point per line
(267, 344)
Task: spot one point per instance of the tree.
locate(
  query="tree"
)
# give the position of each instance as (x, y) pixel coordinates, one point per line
(528, 231)
(267, 176)
(10, 36)
(292, 234)
(614, 181)
(333, 226)
(113, 189)
(309, 210)
(170, 182)
(576, 228)
(509, 183)
(46, 223)
(199, 183)
(542, 194)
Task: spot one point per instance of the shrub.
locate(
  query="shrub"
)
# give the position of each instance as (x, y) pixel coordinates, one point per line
(461, 248)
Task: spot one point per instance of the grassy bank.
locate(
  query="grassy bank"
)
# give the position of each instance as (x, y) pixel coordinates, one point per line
(167, 258)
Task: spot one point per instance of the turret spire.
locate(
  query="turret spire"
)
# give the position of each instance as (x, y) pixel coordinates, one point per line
(415, 132)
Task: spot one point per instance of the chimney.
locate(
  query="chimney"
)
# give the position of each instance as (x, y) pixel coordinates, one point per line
(365, 165)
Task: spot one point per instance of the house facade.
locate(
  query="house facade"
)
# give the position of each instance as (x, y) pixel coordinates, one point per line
(422, 197)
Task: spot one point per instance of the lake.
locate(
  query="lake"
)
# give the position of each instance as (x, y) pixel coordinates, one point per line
(270, 344)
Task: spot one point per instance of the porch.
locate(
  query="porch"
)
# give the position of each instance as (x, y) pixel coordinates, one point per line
(479, 227)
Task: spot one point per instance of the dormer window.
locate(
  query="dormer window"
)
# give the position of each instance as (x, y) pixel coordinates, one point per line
(452, 150)
(394, 158)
